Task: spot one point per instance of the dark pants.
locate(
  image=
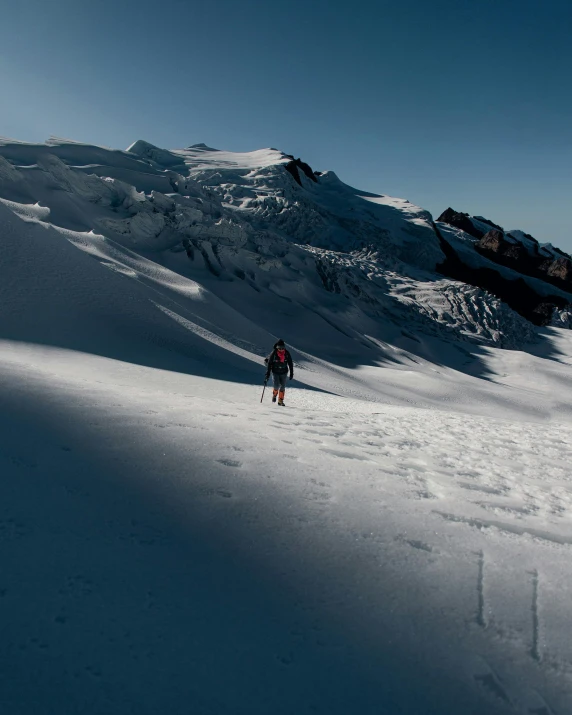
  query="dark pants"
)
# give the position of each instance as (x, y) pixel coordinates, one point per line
(280, 382)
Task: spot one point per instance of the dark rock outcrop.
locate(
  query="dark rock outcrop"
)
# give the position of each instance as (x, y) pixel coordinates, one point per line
(561, 269)
(510, 251)
(460, 220)
(293, 166)
(495, 242)
(523, 299)
(495, 246)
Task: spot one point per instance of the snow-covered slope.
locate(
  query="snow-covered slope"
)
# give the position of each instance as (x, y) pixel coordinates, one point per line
(260, 218)
(396, 539)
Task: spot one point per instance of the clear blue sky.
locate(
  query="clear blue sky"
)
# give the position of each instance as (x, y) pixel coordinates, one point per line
(447, 102)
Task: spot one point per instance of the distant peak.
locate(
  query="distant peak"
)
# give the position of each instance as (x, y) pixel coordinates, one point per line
(140, 145)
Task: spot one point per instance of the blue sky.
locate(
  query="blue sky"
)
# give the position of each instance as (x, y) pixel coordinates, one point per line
(458, 103)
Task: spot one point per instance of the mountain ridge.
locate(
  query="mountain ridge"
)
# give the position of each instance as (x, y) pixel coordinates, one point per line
(267, 222)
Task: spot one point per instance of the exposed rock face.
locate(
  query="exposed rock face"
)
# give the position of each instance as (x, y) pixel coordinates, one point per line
(493, 241)
(460, 220)
(494, 245)
(518, 294)
(519, 251)
(496, 242)
(561, 269)
(296, 164)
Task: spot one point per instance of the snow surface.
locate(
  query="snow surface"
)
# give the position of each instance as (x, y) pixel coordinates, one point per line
(396, 540)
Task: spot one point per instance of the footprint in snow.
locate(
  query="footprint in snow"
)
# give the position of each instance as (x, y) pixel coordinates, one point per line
(416, 464)
(230, 462)
(509, 509)
(318, 484)
(344, 455)
(416, 544)
(425, 494)
(482, 488)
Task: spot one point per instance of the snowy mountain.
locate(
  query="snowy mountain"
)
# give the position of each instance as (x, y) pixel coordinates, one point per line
(263, 219)
(396, 539)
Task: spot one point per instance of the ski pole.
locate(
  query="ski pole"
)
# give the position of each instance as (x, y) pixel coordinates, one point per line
(264, 388)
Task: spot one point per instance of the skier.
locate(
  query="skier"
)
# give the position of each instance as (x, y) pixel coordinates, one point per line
(279, 362)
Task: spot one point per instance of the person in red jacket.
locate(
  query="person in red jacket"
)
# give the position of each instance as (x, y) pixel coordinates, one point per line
(279, 363)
